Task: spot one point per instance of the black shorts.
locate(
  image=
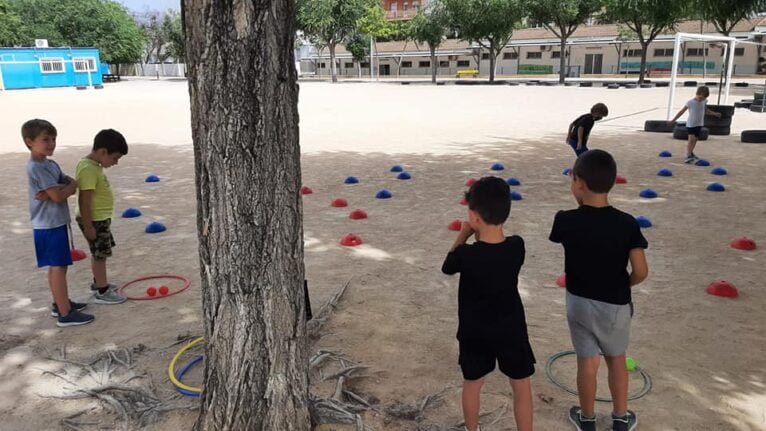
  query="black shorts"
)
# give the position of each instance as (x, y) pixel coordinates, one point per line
(694, 131)
(101, 248)
(478, 357)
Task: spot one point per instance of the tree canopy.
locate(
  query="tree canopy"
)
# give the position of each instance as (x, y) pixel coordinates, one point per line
(726, 14)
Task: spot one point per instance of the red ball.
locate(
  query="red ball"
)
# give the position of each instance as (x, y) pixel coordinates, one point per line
(561, 281)
(470, 182)
(455, 225)
(164, 290)
(78, 254)
(463, 201)
(357, 215)
(743, 243)
(306, 190)
(621, 180)
(151, 291)
(339, 203)
(351, 240)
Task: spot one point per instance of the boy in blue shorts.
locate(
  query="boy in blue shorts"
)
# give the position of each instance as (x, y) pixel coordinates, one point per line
(492, 327)
(599, 241)
(49, 189)
(579, 131)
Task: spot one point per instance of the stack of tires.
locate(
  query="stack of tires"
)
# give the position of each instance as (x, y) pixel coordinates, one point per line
(719, 126)
(759, 102)
(680, 132)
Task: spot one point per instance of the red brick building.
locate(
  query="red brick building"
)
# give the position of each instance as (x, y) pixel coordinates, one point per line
(400, 10)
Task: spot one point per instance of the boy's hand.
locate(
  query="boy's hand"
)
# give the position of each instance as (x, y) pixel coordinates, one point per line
(718, 114)
(42, 196)
(89, 232)
(466, 230)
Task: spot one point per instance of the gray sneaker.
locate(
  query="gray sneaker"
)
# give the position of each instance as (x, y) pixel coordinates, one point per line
(624, 423)
(110, 297)
(581, 423)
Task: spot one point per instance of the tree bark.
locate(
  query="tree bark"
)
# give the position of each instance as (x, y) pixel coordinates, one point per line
(332, 62)
(492, 60)
(433, 63)
(244, 96)
(642, 70)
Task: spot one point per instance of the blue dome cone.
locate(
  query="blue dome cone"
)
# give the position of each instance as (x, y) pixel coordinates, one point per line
(566, 172)
(665, 173)
(644, 222)
(155, 227)
(497, 167)
(383, 194)
(702, 162)
(404, 176)
(719, 171)
(397, 168)
(648, 194)
(716, 187)
(152, 179)
(131, 212)
(666, 153)
(351, 180)
(516, 196)
(513, 181)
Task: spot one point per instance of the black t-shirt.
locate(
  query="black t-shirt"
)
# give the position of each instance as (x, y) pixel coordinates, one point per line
(489, 305)
(586, 121)
(597, 244)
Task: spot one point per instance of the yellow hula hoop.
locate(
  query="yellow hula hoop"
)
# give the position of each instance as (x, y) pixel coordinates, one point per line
(172, 366)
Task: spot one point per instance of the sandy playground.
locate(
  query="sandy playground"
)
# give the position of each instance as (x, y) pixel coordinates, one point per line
(705, 354)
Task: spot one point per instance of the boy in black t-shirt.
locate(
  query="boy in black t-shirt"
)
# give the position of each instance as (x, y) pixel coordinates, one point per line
(579, 130)
(598, 241)
(492, 327)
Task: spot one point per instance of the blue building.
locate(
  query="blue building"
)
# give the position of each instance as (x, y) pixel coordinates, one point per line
(48, 67)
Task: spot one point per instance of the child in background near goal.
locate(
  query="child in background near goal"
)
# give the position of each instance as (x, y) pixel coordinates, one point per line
(697, 108)
(492, 327)
(579, 130)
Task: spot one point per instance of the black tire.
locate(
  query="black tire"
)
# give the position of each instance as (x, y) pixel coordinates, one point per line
(613, 86)
(662, 84)
(658, 126)
(720, 131)
(690, 83)
(683, 134)
(745, 105)
(513, 83)
(758, 97)
(711, 84)
(98, 87)
(757, 108)
(532, 83)
(711, 121)
(631, 85)
(754, 136)
(647, 85)
(741, 84)
(586, 84)
(724, 110)
(82, 87)
(405, 83)
(570, 84)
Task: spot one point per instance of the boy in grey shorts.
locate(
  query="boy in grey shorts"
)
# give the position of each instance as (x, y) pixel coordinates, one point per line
(599, 241)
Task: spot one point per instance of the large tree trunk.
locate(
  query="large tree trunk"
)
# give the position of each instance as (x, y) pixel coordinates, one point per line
(332, 61)
(562, 60)
(492, 60)
(434, 66)
(244, 97)
(642, 70)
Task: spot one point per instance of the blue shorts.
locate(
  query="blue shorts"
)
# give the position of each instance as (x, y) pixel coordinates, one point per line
(694, 130)
(573, 144)
(52, 247)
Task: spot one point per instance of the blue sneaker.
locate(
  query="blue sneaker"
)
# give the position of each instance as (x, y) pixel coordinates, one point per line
(624, 423)
(74, 318)
(581, 423)
(77, 306)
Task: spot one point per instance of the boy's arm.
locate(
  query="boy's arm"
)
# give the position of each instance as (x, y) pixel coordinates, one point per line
(580, 134)
(639, 267)
(680, 113)
(59, 193)
(452, 262)
(713, 113)
(86, 215)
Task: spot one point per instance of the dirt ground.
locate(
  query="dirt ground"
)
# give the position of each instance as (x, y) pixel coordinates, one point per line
(399, 315)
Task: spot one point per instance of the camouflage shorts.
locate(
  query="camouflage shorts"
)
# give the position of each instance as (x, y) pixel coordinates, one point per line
(101, 248)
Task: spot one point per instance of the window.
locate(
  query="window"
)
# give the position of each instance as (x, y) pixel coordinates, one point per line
(424, 64)
(444, 64)
(348, 65)
(532, 55)
(322, 65)
(393, 7)
(365, 65)
(663, 52)
(52, 65)
(510, 55)
(463, 63)
(84, 64)
(406, 64)
(739, 52)
(415, 5)
(485, 56)
(695, 52)
(406, 6)
(633, 53)
(555, 54)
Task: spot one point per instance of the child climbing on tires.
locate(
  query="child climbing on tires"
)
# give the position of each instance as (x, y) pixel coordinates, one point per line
(579, 131)
(491, 323)
(697, 108)
(599, 241)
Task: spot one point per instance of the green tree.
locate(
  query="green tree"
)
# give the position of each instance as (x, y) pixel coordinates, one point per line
(430, 26)
(358, 45)
(331, 22)
(726, 14)
(374, 24)
(647, 19)
(10, 25)
(172, 26)
(562, 17)
(489, 23)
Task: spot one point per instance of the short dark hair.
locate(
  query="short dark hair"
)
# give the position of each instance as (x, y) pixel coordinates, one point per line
(491, 198)
(598, 169)
(600, 110)
(703, 91)
(112, 140)
(34, 128)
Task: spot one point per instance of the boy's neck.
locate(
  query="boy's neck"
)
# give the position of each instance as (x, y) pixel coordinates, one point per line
(37, 157)
(492, 234)
(596, 200)
(92, 156)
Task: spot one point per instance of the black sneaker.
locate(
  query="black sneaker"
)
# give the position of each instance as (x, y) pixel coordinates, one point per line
(624, 423)
(74, 318)
(77, 306)
(581, 423)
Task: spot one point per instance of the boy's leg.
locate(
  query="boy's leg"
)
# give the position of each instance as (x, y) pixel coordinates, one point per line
(587, 371)
(690, 145)
(522, 403)
(471, 403)
(59, 289)
(98, 266)
(618, 383)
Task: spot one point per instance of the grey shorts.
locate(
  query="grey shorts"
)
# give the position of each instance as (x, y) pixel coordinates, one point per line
(598, 327)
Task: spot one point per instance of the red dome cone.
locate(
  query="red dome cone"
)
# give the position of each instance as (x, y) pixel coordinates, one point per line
(722, 288)
(561, 281)
(743, 243)
(463, 201)
(455, 225)
(357, 215)
(351, 240)
(306, 190)
(78, 254)
(620, 180)
(470, 182)
(339, 203)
